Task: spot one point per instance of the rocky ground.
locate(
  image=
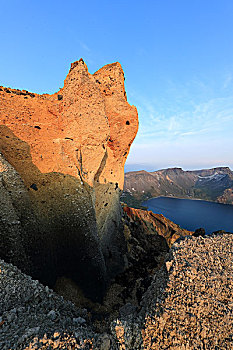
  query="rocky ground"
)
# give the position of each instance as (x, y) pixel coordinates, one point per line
(31, 313)
(188, 305)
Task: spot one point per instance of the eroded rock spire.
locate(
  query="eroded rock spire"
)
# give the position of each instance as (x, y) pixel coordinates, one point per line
(67, 150)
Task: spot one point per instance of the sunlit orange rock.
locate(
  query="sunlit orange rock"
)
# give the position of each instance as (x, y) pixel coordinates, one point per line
(163, 226)
(69, 150)
(85, 130)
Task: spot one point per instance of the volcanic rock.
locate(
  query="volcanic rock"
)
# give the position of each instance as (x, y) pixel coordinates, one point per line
(187, 306)
(190, 306)
(61, 173)
(226, 197)
(156, 224)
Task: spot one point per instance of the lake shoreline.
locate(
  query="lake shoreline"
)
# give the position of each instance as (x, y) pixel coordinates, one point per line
(192, 199)
(193, 213)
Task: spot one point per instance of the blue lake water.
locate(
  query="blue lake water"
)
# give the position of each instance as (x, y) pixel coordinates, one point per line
(193, 214)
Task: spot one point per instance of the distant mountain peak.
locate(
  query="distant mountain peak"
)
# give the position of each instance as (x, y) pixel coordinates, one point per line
(215, 184)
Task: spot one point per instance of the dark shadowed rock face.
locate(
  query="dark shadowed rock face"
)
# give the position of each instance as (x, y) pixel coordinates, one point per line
(61, 174)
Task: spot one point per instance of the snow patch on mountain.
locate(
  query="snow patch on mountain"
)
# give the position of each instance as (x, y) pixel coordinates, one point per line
(216, 176)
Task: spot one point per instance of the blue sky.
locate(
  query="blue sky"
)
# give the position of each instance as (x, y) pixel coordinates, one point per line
(178, 61)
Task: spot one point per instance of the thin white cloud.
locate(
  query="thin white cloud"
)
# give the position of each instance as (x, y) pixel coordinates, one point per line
(197, 132)
(197, 135)
(228, 80)
(84, 46)
(209, 117)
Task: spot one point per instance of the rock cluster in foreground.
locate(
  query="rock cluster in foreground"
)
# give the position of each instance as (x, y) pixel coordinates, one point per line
(195, 308)
(29, 310)
(189, 305)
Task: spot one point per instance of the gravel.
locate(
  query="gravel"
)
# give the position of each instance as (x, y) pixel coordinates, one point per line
(189, 305)
(30, 312)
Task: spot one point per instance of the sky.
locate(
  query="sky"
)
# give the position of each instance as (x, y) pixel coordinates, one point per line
(177, 56)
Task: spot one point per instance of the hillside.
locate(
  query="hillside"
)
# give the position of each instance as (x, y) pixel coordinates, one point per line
(214, 184)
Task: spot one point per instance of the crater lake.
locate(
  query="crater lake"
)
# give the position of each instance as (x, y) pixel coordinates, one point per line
(192, 214)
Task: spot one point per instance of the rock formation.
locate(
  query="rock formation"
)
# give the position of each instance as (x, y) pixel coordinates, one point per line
(226, 197)
(157, 224)
(61, 173)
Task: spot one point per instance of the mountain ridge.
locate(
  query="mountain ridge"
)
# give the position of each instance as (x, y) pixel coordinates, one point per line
(214, 184)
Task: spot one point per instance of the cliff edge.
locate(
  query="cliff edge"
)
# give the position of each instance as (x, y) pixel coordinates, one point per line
(61, 173)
